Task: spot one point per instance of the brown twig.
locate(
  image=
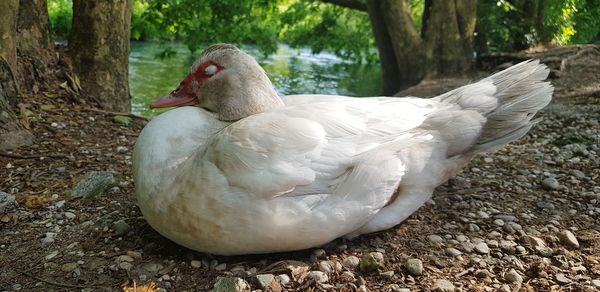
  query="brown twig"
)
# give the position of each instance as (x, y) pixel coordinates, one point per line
(18, 156)
(52, 282)
(116, 113)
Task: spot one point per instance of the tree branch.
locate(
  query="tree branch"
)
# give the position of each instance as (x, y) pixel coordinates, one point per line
(351, 4)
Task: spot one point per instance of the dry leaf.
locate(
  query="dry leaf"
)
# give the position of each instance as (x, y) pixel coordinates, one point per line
(34, 202)
(144, 288)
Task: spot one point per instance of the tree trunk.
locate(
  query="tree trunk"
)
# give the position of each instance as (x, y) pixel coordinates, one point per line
(99, 47)
(35, 48)
(444, 46)
(11, 134)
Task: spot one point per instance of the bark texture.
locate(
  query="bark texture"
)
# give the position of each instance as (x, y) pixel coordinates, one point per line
(11, 134)
(99, 47)
(444, 45)
(35, 48)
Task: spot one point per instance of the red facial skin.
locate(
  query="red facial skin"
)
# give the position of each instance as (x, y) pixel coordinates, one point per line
(184, 95)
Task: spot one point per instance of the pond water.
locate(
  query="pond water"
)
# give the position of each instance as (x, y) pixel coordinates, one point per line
(292, 71)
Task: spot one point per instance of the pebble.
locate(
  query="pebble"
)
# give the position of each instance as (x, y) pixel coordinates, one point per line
(435, 238)
(596, 283)
(8, 202)
(414, 267)
(49, 237)
(550, 184)
(121, 227)
(196, 263)
(443, 285)
(499, 222)
(387, 274)
(122, 149)
(371, 262)
(318, 276)
(94, 184)
(69, 267)
(362, 288)
(474, 227)
(221, 267)
(51, 255)
(467, 246)
(283, 279)
(325, 267)
(351, 262)
(230, 284)
(264, 280)
(127, 266)
(561, 279)
(513, 277)
(69, 215)
(568, 238)
(319, 253)
(482, 248)
(452, 252)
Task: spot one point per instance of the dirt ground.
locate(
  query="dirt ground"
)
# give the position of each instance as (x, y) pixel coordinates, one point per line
(524, 218)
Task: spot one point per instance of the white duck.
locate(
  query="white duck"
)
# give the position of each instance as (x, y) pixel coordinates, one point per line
(247, 171)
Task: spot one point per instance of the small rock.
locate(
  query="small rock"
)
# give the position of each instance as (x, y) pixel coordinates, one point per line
(482, 248)
(49, 237)
(371, 262)
(568, 238)
(499, 222)
(474, 227)
(513, 277)
(325, 267)
(467, 246)
(283, 279)
(127, 266)
(121, 227)
(230, 284)
(196, 263)
(69, 215)
(8, 202)
(221, 267)
(351, 262)
(443, 285)
(51, 255)
(124, 258)
(550, 184)
(387, 274)
(122, 149)
(362, 288)
(266, 281)
(319, 253)
(69, 267)
(94, 184)
(561, 279)
(452, 252)
(596, 283)
(152, 267)
(318, 276)
(435, 238)
(414, 267)
(533, 241)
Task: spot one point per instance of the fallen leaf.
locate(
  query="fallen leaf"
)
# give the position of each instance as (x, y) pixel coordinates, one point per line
(144, 288)
(34, 202)
(123, 120)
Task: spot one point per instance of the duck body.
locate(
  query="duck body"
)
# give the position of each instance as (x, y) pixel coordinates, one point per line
(318, 167)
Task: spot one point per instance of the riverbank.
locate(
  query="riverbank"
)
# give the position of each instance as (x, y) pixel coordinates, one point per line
(524, 218)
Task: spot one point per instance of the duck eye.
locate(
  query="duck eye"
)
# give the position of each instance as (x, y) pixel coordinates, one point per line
(210, 70)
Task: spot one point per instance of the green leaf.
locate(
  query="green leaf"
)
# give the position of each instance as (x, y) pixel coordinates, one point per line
(123, 120)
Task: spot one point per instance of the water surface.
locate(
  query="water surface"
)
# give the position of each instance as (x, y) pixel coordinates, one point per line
(292, 71)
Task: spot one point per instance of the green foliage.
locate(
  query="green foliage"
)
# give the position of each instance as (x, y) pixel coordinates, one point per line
(123, 120)
(61, 16)
(326, 27)
(509, 25)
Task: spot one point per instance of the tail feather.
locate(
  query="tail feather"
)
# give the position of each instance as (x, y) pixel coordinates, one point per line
(508, 100)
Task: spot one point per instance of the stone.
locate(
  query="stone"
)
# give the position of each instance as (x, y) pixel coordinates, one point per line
(371, 262)
(596, 283)
(49, 237)
(125, 266)
(8, 202)
(550, 184)
(568, 238)
(121, 227)
(230, 284)
(266, 282)
(221, 267)
(387, 274)
(351, 262)
(69, 215)
(499, 222)
(318, 276)
(561, 279)
(196, 263)
(94, 184)
(319, 253)
(533, 241)
(362, 288)
(283, 279)
(435, 238)
(443, 285)
(482, 248)
(513, 277)
(414, 267)
(452, 252)
(325, 267)
(69, 267)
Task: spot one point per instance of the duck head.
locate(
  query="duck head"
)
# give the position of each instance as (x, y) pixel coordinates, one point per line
(226, 81)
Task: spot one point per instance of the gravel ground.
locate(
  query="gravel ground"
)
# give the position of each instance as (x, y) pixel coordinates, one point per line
(524, 218)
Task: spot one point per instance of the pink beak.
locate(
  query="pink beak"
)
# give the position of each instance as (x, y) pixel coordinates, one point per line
(181, 96)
